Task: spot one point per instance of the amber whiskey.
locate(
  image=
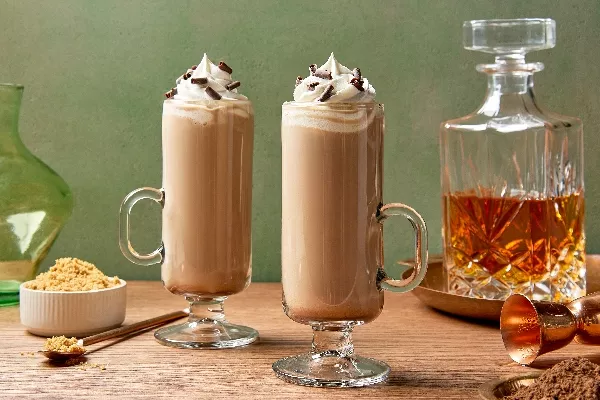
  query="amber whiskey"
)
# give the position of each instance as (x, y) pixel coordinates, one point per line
(496, 246)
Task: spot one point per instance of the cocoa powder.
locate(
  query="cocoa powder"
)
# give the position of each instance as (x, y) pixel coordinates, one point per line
(574, 379)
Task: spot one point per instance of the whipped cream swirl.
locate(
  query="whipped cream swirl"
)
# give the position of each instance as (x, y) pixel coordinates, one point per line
(203, 81)
(333, 82)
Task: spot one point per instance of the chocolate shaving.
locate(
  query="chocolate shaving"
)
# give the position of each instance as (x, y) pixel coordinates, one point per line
(298, 80)
(326, 94)
(199, 81)
(212, 94)
(225, 67)
(312, 68)
(312, 86)
(323, 74)
(357, 83)
(356, 73)
(171, 93)
(233, 85)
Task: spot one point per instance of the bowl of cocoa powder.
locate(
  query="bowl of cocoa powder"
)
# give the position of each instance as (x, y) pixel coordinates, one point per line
(74, 298)
(573, 379)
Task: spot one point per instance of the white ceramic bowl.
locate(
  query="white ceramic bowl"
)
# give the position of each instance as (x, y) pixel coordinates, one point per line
(79, 314)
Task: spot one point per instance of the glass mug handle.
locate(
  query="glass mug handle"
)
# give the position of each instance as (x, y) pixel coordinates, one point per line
(127, 249)
(420, 265)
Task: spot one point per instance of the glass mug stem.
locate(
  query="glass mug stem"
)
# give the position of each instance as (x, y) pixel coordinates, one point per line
(332, 342)
(206, 310)
(127, 249)
(421, 246)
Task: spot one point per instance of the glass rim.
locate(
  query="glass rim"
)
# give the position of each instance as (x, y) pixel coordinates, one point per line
(12, 85)
(332, 104)
(207, 101)
(508, 21)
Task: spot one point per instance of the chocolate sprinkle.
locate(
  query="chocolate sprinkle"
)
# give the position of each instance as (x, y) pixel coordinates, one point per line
(199, 81)
(357, 83)
(171, 93)
(356, 73)
(299, 80)
(326, 94)
(312, 86)
(194, 67)
(212, 94)
(323, 74)
(187, 75)
(225, 67)
(312, 68)
(233, 85)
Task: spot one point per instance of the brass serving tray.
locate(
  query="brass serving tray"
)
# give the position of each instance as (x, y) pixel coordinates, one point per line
(500, 388)
(431, 292)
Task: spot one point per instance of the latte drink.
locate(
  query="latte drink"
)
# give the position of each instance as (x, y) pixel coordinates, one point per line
(207, 180)
(206, 251)
(331, 240)
(332, 224)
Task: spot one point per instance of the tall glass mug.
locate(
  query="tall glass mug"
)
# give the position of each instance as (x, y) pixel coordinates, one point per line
(332, 242)
(206, 253)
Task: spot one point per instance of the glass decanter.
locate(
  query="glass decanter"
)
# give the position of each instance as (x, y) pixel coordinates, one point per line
(34, 202)
(512, 179)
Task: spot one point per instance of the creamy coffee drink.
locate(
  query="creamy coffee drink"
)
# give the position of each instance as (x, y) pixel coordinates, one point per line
(206, 251)
(207, 137)
(332, 139)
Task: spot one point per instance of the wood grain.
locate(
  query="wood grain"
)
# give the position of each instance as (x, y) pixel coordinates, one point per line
(432, 355)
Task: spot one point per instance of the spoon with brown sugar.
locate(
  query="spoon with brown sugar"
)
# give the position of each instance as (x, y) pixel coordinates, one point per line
(62, 348)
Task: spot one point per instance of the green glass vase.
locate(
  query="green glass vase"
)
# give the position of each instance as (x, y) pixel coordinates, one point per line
(35, 202)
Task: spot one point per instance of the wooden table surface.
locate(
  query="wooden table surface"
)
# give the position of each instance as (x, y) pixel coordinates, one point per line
(432, 355)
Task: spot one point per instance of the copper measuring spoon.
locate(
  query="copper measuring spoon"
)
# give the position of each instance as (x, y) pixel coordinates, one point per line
(123, 330)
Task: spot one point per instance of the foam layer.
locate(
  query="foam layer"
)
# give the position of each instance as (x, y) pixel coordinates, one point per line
(204, 112)
(347, 119)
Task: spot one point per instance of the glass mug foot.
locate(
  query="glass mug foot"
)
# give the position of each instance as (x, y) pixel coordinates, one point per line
(331, 370)
(206, 328)
(206, 334)
(332, 362)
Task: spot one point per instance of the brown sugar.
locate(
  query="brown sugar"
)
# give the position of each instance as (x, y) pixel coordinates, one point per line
(79, 363)
(63, 344)
(574, 379)
(86, 365)
(72, 275)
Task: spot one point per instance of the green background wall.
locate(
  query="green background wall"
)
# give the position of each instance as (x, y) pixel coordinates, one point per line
(95, 72)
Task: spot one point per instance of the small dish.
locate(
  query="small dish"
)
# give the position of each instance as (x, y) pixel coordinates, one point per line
(500, 388)
(431, 291)
(46, 313)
